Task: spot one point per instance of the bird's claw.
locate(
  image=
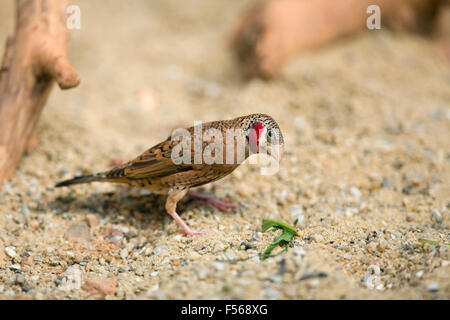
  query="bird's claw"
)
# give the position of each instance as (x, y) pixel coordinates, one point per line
(196, 232)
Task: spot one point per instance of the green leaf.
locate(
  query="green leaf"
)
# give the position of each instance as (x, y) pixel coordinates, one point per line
(434, 243)
(282, 240)
(267, 223)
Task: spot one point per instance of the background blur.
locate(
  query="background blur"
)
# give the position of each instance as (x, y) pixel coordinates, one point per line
(366, 122)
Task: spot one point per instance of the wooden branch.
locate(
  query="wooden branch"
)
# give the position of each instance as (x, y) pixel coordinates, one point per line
(35, 56)
(273, 30)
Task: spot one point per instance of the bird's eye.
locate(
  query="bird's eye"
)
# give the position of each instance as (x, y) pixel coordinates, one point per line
(269, 133)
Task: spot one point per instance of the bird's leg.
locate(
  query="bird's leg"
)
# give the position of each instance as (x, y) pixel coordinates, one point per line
(219, 204)
(174, 196)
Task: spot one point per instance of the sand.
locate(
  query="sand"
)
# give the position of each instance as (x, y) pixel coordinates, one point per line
(366, 123)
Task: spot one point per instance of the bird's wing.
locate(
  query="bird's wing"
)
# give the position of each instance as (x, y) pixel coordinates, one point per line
(153, 163)
(157, 161)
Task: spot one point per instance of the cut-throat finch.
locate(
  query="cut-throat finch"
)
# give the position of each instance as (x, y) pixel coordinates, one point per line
(193, 157)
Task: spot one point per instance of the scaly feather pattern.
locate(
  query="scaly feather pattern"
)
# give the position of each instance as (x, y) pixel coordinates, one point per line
(155, 169)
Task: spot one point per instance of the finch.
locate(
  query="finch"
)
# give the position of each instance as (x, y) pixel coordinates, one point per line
(195, 156)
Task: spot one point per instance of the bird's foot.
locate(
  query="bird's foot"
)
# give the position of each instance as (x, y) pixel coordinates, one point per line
(187, 230)
(219, 204)
(196, 232)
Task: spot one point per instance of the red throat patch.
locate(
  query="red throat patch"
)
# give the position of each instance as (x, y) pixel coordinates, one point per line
(259, 127)
(254, 136)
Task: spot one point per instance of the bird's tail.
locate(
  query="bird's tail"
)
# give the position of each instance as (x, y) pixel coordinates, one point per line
(82, 179)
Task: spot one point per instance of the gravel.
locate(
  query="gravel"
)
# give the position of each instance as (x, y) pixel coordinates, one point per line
(363, 194)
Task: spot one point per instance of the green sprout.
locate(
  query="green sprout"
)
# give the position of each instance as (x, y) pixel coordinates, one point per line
(282, 240)
(434, 243)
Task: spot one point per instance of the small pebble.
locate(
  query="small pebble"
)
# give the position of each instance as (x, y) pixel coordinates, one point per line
(299, 251)
(91, 220)
(202, 273)
(100, 286)
(78, 232)
(387, 183)
(271, 294)
(160, 249)
(139, 271)
(148, 251)
(354, 191)
(11, 252)
(124, 253)
(371, 247)
(432, 286)
(297, 213)
(194, 255)
(25, 210)
(436, 216)
(20, 279)
(15, 267)
(368, 281)
(219, 266)
(318, 238)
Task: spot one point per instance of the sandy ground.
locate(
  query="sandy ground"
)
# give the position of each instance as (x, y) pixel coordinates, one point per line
(366, 123)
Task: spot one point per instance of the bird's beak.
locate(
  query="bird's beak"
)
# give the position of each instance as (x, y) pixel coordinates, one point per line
(276, 151)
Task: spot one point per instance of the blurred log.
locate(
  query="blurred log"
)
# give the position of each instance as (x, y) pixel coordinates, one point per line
(35, 56)
(443, 30)
(272, 31)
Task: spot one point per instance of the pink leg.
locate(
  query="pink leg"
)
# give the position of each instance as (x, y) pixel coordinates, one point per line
(219, 204)
(174, 196)
(184, 226)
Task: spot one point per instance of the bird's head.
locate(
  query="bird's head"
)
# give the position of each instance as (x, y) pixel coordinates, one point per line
(264, 135)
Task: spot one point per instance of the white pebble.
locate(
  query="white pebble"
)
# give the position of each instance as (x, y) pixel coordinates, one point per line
(194, 255)
(160, 249)
(433, 286)
(436, 216)
(15, 267)
(202, 273)
(368, 281)
(124, 253)
(297, 212)
(318, 238)
(347, 256)
(349, 212)
(299, 251)
(10, 251)
(148, 251)
(219, 266)
(314, 283)
(354, 191)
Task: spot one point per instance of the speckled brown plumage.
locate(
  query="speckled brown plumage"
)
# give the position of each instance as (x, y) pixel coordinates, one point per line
(155, 170)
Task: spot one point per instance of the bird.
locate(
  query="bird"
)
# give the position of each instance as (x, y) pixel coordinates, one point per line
(210, 151)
